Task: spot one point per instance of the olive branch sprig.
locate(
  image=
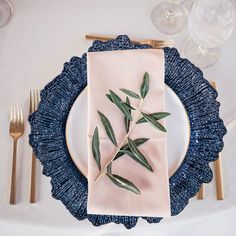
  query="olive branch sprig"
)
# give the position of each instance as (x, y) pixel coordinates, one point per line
(127, 145)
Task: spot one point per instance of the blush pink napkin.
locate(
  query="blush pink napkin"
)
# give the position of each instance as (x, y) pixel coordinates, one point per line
(125, 69)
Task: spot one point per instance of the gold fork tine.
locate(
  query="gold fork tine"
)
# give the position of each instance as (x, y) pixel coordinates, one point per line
(16, 130)
(18, 119)
(14, 114)
(157, 42)
(21, 116)
(30, 106)
(11, 115)
(38, 97)
(34, 101)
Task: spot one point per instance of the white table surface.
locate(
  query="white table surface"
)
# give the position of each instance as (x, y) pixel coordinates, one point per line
(40, 37)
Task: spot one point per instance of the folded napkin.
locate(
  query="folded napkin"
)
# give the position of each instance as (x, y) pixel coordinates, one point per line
(125, 69)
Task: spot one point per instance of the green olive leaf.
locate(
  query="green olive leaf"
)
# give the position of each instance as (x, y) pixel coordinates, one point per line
(145, 85)
(130, 93)
(127, 121)
(109, 97)
(156, 116)
(138, 142)
(95, 148)
(138, 160)
(139, 156)
(123, 183)
(109, 168)
(108, 128)
(153, 122)
(118, 102)
(128, 105)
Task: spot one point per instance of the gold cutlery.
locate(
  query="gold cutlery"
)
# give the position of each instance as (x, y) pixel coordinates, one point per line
(34, 101)
(218, 175)
(16, 131)
(218, 178)
(157, 44)
(218, 171)
(200, 194)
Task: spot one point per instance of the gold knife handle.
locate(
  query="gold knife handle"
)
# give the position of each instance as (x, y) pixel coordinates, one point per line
(32, 184)
(219, 181)
(218, 172)
(13, 174)
(200, 194)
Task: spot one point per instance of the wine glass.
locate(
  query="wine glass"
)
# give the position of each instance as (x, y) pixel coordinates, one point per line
(6, 11)
(169, 17)
(210, 23)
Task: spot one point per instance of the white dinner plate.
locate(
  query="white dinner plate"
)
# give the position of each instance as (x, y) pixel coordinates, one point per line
(177, 125)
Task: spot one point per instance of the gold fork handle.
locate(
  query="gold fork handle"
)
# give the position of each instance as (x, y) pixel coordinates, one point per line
(13, 174)
(95, 37)
(103, 38)
(32, 185)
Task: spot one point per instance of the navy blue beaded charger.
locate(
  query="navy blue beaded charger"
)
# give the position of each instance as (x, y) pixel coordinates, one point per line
(47, 136)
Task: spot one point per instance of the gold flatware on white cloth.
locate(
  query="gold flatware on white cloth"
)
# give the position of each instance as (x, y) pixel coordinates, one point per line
(34, 101)
(218, 178)
(157, 44)
(200, 194)
(218, 175)
(16, 131)
(218, 172)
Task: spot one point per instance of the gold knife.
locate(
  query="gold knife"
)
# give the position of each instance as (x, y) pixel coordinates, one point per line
(218, 175)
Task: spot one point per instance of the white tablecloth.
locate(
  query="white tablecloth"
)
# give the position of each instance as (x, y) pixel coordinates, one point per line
(40, 37)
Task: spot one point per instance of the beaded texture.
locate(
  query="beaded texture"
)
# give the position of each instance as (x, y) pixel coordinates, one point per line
(47, 136)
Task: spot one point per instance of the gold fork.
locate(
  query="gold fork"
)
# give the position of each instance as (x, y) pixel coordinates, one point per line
(34, 101)
(157, 44)
(16, 131)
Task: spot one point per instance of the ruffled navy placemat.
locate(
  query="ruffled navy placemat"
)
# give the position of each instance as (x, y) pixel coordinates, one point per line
(47, 136)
